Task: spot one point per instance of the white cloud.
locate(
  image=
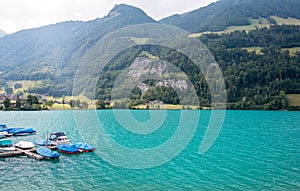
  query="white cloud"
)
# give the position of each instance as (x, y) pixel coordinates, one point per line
(23, 14)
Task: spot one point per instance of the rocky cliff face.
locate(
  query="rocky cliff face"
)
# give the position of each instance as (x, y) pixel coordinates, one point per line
(165, 74)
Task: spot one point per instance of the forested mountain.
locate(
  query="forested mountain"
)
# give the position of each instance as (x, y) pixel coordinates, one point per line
(260, 66)
(2, 33)
(52, 53)
(224, 13)
(254, 79)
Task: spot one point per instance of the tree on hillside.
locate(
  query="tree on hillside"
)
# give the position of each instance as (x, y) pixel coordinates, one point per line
(49, 103)
(8, 90)
(6, 103)
(32, 99)
(18, 102)
(100, 104)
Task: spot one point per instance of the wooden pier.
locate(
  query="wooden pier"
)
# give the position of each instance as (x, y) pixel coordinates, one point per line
(31, 153)
(18, 152)
(10, 154)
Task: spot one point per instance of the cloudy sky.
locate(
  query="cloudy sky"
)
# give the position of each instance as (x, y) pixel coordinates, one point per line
(23, 14)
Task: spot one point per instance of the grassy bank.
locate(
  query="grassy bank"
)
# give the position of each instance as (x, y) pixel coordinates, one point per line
(293, 99)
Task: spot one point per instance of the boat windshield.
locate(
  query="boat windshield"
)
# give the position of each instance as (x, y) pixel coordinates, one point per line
(55, 136)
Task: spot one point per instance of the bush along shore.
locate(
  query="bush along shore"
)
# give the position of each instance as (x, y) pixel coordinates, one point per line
(37, 103)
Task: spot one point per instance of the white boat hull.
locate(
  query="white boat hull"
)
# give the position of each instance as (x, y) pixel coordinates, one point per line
(7, 149)
(60, 142)
(3, 134)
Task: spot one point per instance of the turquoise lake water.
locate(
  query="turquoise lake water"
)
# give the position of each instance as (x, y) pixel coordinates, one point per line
(255, 150)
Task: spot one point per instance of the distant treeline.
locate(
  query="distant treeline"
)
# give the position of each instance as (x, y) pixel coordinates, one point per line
(285, 36)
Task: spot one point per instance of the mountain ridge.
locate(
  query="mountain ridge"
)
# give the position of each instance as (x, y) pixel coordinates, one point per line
(53, 52)
(225, 13)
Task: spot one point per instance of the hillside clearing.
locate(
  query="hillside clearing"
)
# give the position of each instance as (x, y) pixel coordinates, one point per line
(292, 51)
(257, 49)
(288, 21)
(293, 99)
(255, 24)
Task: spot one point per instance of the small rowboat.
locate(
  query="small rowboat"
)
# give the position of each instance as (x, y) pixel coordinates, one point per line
(47, 153)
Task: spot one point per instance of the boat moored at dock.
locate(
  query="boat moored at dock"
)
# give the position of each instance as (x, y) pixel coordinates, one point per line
(68, 149)
(6, 145)
(47, 153)
(42, 142)
(16, 131)
(3, 134)
(25, 145)
(84, 147)
(59, 138)
(22, 131)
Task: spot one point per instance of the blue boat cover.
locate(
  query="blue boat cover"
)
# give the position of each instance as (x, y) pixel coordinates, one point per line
(47, 152)
(17, 131)
(68, 148)
(84, 146)
(42, 142)
(6, 129)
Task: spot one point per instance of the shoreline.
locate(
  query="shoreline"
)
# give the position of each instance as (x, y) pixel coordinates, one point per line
(146, 110)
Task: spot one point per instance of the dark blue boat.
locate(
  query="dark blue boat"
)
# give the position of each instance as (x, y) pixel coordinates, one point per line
(68, 148)
(47, 153)
(41, 142)
(84, 147)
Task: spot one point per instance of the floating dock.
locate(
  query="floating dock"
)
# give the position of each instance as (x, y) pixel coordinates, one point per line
(18, 152)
